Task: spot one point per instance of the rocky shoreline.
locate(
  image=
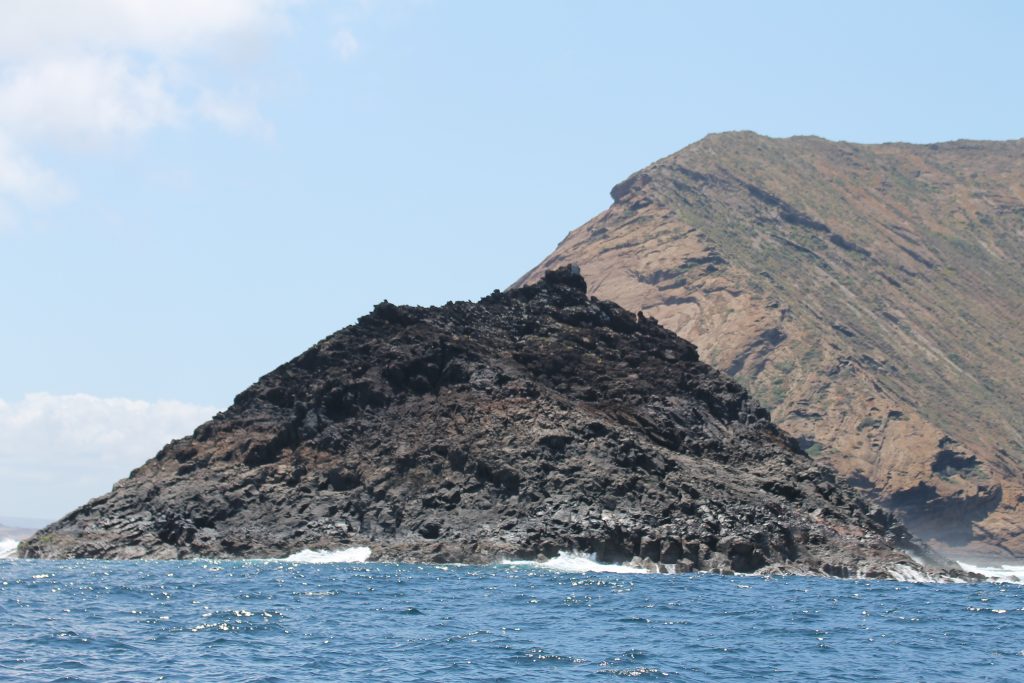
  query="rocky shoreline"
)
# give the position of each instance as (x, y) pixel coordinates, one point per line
(534, 421)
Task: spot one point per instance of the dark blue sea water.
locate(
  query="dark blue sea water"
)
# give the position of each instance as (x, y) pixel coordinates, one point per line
(284, 621)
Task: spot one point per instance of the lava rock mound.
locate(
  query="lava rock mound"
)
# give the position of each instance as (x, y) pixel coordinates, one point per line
(534, 421)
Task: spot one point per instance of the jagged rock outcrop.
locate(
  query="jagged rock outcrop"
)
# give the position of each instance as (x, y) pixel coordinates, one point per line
(871, 296)
(534, 421)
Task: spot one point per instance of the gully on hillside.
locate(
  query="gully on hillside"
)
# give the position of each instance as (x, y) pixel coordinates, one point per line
(871, 296)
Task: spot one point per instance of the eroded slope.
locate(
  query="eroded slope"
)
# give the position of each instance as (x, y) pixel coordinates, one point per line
(870, 295)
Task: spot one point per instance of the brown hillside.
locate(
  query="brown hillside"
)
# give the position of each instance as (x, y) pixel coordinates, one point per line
(871, 295)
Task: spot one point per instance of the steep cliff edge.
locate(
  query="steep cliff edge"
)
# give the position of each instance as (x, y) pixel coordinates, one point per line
(534, 421)
(871, 296)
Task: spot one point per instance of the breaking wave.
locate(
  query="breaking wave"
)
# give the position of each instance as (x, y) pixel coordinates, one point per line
(579, 563)
(1006, 573)
(909, 574)
(355, 554)
(8, 546)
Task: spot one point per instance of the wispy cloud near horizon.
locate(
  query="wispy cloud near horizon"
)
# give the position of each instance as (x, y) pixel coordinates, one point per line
(59, 450)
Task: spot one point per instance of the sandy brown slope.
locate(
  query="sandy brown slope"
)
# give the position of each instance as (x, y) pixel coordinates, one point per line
(871, 295)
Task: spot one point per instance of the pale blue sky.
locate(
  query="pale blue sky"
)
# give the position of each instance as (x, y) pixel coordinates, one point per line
(189, 199)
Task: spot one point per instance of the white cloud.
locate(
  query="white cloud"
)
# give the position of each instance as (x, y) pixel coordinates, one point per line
(58, 451)
(42, 28)
(345, 44)
(233, 116)
(22, 178)
(77, 72)
(84, 99)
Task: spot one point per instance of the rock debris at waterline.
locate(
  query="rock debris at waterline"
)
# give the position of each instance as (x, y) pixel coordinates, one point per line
(534, 421)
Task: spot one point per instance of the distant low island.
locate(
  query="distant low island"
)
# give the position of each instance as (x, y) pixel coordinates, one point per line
(534, 421)
(17, 528)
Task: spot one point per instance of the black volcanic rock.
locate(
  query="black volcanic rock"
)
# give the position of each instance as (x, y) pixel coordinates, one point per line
(534, 421)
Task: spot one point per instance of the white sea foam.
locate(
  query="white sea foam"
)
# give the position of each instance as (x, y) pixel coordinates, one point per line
(8, 546)
(905, 572)
(356, 554)
(579, 563)
(1006, 573)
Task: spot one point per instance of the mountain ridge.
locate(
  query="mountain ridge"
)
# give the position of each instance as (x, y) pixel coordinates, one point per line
(865, 293)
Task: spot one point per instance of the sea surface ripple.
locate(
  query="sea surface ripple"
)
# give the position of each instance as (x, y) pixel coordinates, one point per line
(92, 620)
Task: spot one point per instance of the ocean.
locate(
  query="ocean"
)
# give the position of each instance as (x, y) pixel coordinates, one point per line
(314, 618)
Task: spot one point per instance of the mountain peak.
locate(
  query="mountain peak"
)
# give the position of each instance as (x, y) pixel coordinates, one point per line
(533, 421)
(868, 294)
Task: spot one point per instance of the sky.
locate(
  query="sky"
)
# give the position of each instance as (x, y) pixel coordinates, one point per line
(192, 192)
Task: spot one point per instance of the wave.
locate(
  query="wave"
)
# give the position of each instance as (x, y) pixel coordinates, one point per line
(1006, 573)
(909, 574)
(579, 563)
(355, 554)
(8, 547)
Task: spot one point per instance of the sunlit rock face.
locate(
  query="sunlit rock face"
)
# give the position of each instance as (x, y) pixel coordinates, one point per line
(871, 296)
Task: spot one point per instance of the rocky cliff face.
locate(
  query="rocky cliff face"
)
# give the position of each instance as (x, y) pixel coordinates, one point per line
(534, 421)
(871, 296)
